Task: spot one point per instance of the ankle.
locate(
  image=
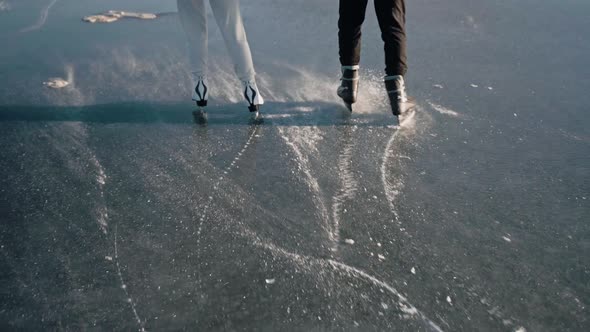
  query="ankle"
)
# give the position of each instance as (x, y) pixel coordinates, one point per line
(350, 73)
(399, 78)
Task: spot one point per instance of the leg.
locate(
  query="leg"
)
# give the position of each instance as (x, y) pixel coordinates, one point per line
(352, 16)
(193, 16)
(392, 20)
(228, 17)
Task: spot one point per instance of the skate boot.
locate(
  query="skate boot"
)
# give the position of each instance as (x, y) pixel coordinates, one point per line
(201, 91)
(396, 90)
(253, 97)
(349, 85)
(200, 95)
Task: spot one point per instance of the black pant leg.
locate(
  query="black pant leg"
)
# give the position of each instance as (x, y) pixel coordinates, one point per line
(392, 20)
(352, 16)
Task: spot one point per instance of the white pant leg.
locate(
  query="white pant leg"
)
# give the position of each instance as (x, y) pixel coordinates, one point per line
(228, 17)
(193, 16)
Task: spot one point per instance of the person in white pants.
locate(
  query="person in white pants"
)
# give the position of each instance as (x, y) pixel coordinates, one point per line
(193, 16)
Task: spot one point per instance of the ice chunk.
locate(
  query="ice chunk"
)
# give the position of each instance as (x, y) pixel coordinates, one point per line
(413, 270)
(100, 19)
(114, 15)
(56, 83)
(120, 14)
(449, 300)
(408, 309)
(349, 241)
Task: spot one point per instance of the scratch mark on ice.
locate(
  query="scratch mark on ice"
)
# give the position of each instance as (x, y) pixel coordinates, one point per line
(307, 261)
(124, 287)
(42, 18)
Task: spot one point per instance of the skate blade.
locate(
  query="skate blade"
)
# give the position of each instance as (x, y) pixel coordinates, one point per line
(406, 115)
(406, 107)
(347, 105)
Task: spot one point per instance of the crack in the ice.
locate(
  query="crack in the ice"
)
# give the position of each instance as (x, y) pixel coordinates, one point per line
(42, 18)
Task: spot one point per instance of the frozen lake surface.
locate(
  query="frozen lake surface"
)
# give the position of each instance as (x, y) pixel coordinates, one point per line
(119, 212)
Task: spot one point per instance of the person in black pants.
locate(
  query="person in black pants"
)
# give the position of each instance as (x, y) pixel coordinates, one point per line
(391, 16)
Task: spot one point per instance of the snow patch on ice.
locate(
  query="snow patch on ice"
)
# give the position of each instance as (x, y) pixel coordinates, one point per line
(443, 110)
(4, 6)
(470, 22)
